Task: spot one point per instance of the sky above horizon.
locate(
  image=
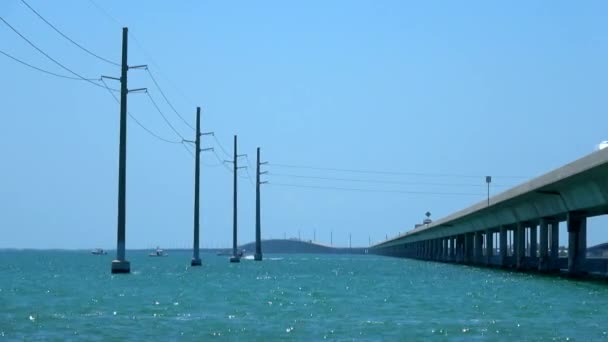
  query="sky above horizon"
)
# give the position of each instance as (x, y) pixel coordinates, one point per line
(443, 93)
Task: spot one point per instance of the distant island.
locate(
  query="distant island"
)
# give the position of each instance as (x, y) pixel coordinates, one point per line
(282, 246)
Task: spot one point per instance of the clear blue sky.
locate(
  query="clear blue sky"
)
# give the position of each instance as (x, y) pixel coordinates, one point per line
(511, 88)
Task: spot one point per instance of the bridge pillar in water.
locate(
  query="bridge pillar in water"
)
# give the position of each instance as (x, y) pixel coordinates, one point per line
(533, 241)
(444, 249)
(543, 255)
(577, 243)
(468, 248)
(489, 246)
(451, 252)
(554, 244)
(422, 249)
(477, 245)
(460, 246)
(519, 243)
(503, 246)
(437, 249)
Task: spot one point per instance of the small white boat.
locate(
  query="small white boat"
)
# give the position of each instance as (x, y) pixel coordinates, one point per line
(98, 251)
(158, 253)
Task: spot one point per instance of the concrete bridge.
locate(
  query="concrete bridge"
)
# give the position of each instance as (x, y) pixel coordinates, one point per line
(519, 228)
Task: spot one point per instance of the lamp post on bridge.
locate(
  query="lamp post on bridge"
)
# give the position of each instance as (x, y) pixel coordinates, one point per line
(488, 181)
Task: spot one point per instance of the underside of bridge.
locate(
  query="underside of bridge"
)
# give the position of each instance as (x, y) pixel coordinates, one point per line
(519, 228)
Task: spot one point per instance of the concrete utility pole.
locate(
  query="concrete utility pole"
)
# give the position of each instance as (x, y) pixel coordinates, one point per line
(235, 254)
(196, 260)
(258, 234)
(120, 264)
(235, 257)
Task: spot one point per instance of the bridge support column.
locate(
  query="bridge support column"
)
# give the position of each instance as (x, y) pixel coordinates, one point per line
(503, 246)
(577, 243)
(451, 250)
(468, 248)
(444, 249)
(543, 259)
(533, 240)
(489, 246)
(461, 239)
(477, 244)
(455, 248)
(554, 244)
(437, 249)
(424, 249)
(520, 244)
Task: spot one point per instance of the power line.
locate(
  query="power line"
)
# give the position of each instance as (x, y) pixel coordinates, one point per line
(137, 121)
(375, 180)
(141, 47)
(42, 70)
(221, 161)
(387, 172)
(220, 146)
(163, 115)
(166, 99)
(104, 12)
(68, 38)
(210, 165)
(49, 57)
(153, 62)
(202, 161)
(249, 162)
(187, 149)
(371, 190)
(249, 176)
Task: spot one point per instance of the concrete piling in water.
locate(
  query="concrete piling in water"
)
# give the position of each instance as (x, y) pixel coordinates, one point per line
(503, 246)
(554, 244)
(489, 246)
(520, 245)
(543, 255)
(477, 252)
(577, 243)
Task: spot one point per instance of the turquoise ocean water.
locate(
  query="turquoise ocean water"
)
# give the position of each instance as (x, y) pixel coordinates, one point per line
(59, 295)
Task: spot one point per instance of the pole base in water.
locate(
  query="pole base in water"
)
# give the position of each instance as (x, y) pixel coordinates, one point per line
(257, 257)
(121, 266)
(235, 259)
(196, 262)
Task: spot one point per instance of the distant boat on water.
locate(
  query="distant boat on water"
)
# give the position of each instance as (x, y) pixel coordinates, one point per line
(158, 253)
(98, 251)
